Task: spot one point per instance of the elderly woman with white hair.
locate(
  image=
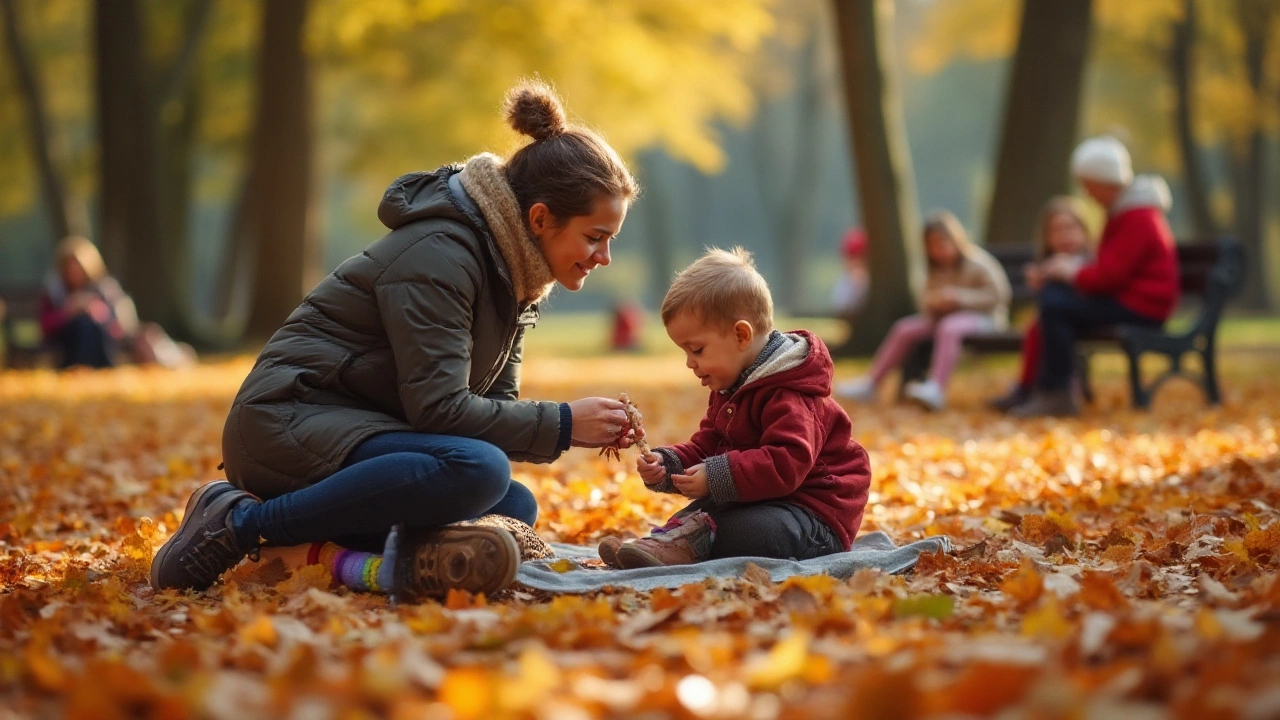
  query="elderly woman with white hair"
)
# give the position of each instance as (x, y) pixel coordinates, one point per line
(1132, 280)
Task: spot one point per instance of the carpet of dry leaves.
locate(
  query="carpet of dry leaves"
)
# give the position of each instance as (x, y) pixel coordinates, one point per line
(1120, 565)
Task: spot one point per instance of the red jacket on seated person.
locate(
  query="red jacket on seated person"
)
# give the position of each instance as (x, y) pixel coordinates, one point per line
(1137, 262)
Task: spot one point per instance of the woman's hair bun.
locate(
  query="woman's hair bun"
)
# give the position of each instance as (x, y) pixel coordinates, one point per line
(533, 109)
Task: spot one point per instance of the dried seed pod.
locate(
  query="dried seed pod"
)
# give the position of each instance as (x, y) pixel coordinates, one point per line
(614, 452)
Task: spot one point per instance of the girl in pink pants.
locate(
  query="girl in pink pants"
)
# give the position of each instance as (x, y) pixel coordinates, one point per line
(966, 292)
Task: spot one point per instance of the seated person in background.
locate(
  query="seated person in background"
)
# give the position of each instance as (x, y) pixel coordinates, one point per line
(850, 291)
(1133, 280)
(773, 470)
(83, 311)
(966, 292)
(86, 315)
(1062, 233)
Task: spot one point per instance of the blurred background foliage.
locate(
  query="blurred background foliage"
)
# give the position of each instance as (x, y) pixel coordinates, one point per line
(735, 114)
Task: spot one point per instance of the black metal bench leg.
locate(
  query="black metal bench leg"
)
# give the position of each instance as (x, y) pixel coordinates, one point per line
(1211, 388)
(1082, 372)
(1141, 398)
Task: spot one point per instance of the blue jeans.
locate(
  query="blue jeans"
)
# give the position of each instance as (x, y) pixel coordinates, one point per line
(85, 342)
(1065, 315)
(416, 479)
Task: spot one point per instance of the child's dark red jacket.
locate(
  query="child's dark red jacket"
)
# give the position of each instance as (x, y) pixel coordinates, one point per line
(1137, 262)
(781, 437)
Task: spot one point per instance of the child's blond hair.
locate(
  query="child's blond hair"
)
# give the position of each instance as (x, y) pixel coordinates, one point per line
(720, 288)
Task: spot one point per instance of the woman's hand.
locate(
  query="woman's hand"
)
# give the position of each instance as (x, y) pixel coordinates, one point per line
(600, 422)
(693, 484)
(652, 470)
(1062, 268)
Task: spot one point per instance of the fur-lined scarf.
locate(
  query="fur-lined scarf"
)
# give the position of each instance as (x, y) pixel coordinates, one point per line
(487, 185)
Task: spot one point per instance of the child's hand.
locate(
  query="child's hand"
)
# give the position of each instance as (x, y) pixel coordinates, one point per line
(1035, 277)
(652, 470)
(693, 484)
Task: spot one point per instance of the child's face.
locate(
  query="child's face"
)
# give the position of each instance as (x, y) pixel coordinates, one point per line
(941, 248)
(716, 355)
(1065, 234)
(73, 274)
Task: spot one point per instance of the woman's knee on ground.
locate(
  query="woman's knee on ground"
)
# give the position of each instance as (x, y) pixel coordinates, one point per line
(518, 503)
(482, 465)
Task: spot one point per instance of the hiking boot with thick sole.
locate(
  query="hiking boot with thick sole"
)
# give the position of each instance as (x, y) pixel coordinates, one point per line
(682, 541)
(429, 562)
(204, 546)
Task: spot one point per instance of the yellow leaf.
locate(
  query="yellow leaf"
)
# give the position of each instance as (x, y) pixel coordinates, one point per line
(259, 632)
(786, 660)
(304, 578)
(1046, 621)
(563, 565)
(468, 692)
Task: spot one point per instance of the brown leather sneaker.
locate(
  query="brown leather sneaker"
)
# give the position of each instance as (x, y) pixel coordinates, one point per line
(431, 561)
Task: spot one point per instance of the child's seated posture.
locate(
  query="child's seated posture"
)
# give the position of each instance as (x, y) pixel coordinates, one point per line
(772, 470)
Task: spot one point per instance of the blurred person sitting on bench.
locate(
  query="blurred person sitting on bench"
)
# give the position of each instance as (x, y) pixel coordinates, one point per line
(1132, 280)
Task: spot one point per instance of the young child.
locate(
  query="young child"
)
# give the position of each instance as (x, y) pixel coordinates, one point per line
(1063, 233)
(966, 292)
(772, 470)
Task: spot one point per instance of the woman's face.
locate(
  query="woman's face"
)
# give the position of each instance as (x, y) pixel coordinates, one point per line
(581, 244)
(941, 248)
(73, 274)
(1065, 234)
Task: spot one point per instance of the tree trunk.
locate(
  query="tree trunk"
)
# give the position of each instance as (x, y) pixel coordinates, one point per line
(661, 260)
(63, 221)
(1193, 178)
(886, 189)
(1255, 20)
(1041, 116)
(281, 171)
(129, 194)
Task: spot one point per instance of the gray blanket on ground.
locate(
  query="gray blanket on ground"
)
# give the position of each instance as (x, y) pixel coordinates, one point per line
(872, 550)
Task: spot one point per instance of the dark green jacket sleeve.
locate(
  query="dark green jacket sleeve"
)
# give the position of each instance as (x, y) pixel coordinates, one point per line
(507, 385)
(427, 318)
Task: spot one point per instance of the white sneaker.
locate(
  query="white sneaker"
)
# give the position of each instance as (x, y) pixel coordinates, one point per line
(928, 394)
(860, 389)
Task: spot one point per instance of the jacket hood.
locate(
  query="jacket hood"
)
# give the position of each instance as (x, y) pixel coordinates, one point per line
(802, 363)
(1146, 191)
(419, 195)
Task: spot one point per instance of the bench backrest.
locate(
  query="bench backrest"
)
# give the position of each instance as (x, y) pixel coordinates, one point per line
(1210, 271)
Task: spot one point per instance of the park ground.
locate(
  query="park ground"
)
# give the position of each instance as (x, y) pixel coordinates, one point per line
(1123, 564)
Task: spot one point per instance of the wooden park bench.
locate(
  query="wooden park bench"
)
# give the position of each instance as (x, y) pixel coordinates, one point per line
(21, 343)
(1211, 273)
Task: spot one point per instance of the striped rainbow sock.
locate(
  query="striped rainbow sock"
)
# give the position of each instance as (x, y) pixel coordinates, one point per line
(354, 569)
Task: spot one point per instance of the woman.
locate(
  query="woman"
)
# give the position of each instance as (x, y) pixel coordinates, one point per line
(83, 311)
(389, 397)
(966, 292)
